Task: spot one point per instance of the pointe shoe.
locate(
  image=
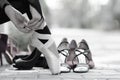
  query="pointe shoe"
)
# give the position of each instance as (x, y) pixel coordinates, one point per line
(63, 53)
(27, 64)
(70, 57)
(43, 41)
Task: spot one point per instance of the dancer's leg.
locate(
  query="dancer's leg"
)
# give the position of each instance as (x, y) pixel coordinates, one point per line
(43, 41)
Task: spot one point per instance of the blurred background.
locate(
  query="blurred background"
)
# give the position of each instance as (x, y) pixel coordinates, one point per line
(97, 21)
(94, 14)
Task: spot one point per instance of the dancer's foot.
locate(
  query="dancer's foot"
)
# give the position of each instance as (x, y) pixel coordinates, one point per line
(43, 42)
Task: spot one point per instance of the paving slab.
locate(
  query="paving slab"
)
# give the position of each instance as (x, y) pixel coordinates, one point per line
(44, 74)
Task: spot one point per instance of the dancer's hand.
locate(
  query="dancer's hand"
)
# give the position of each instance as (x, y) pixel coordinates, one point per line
(17, 18)
(37, 21)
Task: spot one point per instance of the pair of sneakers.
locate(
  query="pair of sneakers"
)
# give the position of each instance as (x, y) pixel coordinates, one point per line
(75, 57)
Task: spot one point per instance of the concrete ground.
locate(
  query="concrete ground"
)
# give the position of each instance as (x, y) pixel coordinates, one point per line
(105, 50)
(6, 73)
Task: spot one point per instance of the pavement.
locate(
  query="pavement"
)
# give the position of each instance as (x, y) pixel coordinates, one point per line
(105, 50)
(8, 73)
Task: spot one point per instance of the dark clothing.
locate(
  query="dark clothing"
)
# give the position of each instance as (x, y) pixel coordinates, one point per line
(36, 5)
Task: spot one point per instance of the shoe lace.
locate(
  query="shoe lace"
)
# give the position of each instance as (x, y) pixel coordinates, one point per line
(64, 52)
(81, 52)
